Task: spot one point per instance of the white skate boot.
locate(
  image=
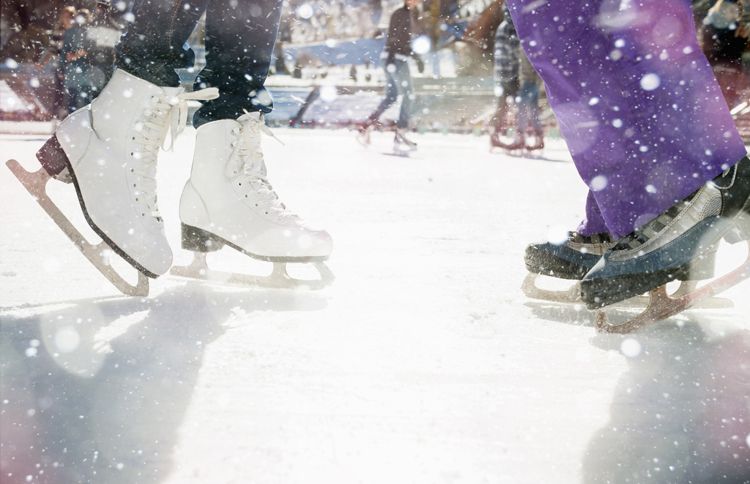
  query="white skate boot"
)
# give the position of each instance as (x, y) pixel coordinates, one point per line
(108, 150)
(403, 145)
(229, 201)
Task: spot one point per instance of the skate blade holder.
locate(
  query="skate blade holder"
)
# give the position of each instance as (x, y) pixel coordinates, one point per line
(98, 254)
(279, 277)
(662, 305)
(531, 288)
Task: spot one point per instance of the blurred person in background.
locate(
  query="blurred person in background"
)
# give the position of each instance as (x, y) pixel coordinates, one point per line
(103, 35)
(25, 30)
(506, 70)
(65, 21)
(516, 85)
(78, 74)
(529, 125)
(397, 52)
(725, 36)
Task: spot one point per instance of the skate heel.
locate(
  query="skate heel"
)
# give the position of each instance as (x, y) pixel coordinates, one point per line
(198, 240)
(701, 269)
(741, 230)
(54, 160)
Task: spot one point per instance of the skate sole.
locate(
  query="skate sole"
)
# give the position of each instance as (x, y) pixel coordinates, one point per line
(201, 240)
(541, 262)
(278, 279)
(572, 295)
(41, 156)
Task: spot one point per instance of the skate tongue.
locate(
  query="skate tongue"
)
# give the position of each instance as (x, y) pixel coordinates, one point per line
(178, 100)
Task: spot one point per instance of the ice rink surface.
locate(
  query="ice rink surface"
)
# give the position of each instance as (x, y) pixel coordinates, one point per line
(423, 363)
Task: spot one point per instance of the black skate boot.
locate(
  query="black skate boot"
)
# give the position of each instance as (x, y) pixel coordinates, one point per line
(679, 244)
(570, 260)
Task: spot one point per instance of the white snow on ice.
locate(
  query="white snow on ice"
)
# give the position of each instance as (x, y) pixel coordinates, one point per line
(422, 363)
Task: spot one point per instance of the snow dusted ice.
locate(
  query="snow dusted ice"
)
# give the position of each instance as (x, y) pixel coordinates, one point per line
(422, 363)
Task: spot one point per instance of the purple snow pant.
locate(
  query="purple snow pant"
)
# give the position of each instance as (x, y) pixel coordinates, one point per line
(636, 100)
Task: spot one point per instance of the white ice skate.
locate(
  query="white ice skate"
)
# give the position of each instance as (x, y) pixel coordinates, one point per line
(364, 134)
(108, 151)
(402, 145)
(229, 201)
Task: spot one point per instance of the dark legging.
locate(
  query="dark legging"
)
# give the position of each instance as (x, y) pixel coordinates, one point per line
(240, 36)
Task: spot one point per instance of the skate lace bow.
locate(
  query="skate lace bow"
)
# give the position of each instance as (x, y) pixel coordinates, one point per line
(247, 167)
(178, 110)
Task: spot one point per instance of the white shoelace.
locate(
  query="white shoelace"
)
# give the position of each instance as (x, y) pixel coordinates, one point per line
(165, 115)
(247, 168)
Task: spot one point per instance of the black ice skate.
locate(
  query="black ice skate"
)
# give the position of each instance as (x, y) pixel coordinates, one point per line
(575, 257)
(680, 244)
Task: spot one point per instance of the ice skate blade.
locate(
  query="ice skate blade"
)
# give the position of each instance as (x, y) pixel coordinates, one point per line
(662, 305)
(399, 154)
(573, 295)
(278, 279)
(36, 183)
(532, 290)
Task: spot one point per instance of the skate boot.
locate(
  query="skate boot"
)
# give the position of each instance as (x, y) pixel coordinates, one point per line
(108, 151)
(534, 140)
(676, 245)
(402, 144)
(363, 134)
(570, 260)
(507, 140)
(228, 201)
